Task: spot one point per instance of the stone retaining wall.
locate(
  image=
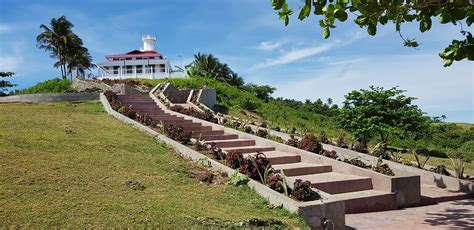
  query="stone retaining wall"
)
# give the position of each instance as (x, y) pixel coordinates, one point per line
(121, 89)
(50, 97)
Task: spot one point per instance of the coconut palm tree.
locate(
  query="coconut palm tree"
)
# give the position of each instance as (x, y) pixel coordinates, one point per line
(64, 45)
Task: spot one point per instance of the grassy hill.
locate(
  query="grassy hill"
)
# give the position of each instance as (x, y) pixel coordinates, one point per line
(71, 165)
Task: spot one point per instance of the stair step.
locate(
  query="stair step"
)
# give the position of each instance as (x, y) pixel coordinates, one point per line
(232, 143)
(302, 168)
(179, 122)
(249, 149)
(219, 137)
(204, 133)
(278, 157)
(368, 201)
(336, 183)
(198, 128)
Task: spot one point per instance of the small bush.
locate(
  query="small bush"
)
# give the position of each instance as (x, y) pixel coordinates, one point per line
(238, 179)
(302, 191)
(127, 111)
(248, 129)
(358, 163)
(264, 124)
(234, 159)
(261, 133)
(254, 167)
(331, 154)
(177, 133)
(310, 143)
(383, 168)
(55, 85)
(341, 141)
(217, 152)
(441, 169)
(147, 120)
(249, 105)
(293, 141)
(323, 137)
(275, 182)
(206, 115)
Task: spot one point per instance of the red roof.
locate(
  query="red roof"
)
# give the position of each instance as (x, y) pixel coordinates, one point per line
(136, 53)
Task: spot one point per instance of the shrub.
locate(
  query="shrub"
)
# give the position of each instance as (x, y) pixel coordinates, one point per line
(341, 141)
(234, 159)
(55, 85)
(361, 146)
(255, 167)
(302, 191)
(262, 133)
(200, 145)
(147, 120)
(419, 162)
(331, 154)
(127, 111)
(248, 129)
(238, 179)
(459, 163)
(206, 115)
(249, 105)
(293, 141)
(357, 162)
(441, 169)
(383, 168)
(177, 133)
(310, 143)
(323, 137)
(275, 182)
(380, 150)
(278, 129)
(217, 152)
(264, 125)
(293, 130)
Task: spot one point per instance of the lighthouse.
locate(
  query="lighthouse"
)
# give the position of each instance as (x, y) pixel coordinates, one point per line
(148, 42)
(144, 63)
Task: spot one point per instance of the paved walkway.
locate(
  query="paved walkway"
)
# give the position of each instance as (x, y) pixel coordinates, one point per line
(448, 215)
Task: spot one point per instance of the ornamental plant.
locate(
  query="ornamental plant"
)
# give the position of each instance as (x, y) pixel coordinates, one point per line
(310, 143)
(254, 167)
(302, 191)
(234, 159)
(293, 141)
(177, 133)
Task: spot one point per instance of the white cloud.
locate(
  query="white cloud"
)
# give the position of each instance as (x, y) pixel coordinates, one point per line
(269, 46)
(294, 55)
(440, 90)
(4, 28)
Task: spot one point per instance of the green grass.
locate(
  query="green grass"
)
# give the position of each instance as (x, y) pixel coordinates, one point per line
(66, 165)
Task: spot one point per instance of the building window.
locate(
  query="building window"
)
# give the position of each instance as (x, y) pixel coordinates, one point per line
(128, 58)
(149, 69)
(162, 68)
(121, 59)
(151, 58)
(138, 58)
(139, 69)
(129, 69)
(115, 59)
(116, 70)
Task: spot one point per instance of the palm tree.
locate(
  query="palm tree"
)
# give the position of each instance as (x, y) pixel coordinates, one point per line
(64, 45)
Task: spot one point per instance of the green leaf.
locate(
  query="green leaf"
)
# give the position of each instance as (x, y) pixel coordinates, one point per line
(372, 29)
(425, 24)
(278, 4)
(470, 20)
(304, 13)
(326, 33)
(322, 24)
(341, 15)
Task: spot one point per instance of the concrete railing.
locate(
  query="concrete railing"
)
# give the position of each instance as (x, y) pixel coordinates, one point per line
(311, 211)
(50, 97)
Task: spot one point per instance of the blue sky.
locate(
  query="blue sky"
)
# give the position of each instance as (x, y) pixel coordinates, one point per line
(248, 36)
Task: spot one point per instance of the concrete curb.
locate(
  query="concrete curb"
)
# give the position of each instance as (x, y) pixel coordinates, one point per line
(50, 97)
(312, 211)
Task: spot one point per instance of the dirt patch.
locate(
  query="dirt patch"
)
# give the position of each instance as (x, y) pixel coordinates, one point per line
(208, 176)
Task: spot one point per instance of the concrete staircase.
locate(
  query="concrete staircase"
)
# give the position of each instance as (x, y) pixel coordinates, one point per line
(356, 191)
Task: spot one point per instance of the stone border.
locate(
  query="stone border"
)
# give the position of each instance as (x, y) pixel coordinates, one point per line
(50, 97)
(312, 211)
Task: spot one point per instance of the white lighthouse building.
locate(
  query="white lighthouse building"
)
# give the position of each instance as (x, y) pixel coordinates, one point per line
(144, 63)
